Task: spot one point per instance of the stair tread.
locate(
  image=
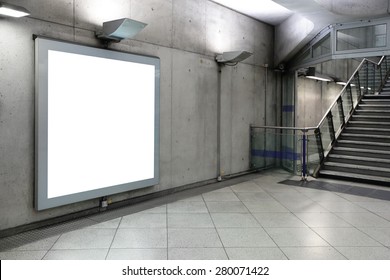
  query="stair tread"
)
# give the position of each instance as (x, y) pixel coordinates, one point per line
(360, 158)
(363, 143)
(354, 176)
(368, 122)
(347, 149)
(366, 135)
(368, 129)
(357, 166)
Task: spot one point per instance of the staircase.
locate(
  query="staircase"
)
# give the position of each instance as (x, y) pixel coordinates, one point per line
(362, 151)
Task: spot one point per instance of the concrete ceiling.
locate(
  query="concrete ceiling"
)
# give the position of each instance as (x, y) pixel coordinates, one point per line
(298, 21)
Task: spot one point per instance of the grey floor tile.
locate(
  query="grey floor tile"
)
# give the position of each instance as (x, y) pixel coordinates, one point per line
(234, 220)
(225, 189)
(247, 187)
(92, 254)
(226, 207)
(312, 253)
(256, 196)
(245, 237)
(322, 219)
(108, 224)
(346, 237)
(255, 254)
(289, 196)
(304, 206)
(190, 220)
(293, 237)
(41, 245)
(198, 198)
(187, 207)
(385, 215)
(326, 196)
(137, 254)
(220, 196)
(85, 239)
(364, 219)
(144, 220)
(365, 253)
(382, 235)
(342, 207)
(197, 254)
(145, 238)
(193, 238)
(159, 209)
(375, 206)
(278, 220)
(22, 255)
(265, 206)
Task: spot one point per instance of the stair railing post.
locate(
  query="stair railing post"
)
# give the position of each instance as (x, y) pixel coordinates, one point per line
(304, 164)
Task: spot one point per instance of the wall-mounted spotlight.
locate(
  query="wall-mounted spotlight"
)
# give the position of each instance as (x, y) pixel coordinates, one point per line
(117, 30)
(311, 74)
(13, 10)
(232, 58)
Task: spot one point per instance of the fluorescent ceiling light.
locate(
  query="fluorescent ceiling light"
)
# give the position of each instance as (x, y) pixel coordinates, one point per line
(13, 10)
(265, 10)
(319, 78)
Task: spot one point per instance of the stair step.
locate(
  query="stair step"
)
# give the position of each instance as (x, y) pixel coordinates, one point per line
(371, 145)
(358, 169)
(366, 137)
(370, 117)
(372, 152)
(374, 106)
(367, 123)
(368, 111)
(360, 160)
(361, 130)
(354, 176)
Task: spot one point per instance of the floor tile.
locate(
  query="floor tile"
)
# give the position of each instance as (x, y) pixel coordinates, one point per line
(365, 253)
(234, 220)
(322, 219)
(342, 207)
(137, 254)
(85, 239)
(364, 219)
(108, 224)
(247, 187)
(41, 245)
(197, 198)
(255, 254)
(193, 238)
(146, 238)
(22, 255)
(289, 196)
(375, 206)
(220, 196)
(279, 220)
(382, 235)
(265, 206)
(293, 237)
(89, 254)
(187, 207)
(226, 207)
(385, 215)
(190, 220)
(197, 254)
(256, 196)
(245, 237)
(159, 209)
(346, 237)
(304, 206)
(312, 253)
(144, 220)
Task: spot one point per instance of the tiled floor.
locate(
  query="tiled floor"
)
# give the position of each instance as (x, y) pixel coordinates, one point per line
(255, 219)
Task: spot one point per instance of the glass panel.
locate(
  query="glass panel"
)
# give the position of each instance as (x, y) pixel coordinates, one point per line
(313, 157)
(366, 37)
(322, 47)
(355, 90)
(336, 117)
(347, 102)
(326, 135)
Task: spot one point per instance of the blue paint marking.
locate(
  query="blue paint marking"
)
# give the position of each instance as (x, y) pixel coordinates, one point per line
(288, 108)
(284, 154)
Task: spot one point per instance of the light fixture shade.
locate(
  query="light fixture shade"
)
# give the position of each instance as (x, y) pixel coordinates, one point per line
(232, 57)
(120, 29)
(13, 10)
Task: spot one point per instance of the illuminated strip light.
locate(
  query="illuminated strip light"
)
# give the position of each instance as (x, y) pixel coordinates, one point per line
(319, 78)
(13, 10)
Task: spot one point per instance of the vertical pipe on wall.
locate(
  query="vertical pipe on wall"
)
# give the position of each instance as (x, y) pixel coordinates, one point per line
(219, 112)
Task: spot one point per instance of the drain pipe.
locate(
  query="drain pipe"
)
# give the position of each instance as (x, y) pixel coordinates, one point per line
(219, 117)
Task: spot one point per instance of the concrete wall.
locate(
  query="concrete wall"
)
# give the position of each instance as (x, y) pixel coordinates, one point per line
(313, 98)
(186, 35)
